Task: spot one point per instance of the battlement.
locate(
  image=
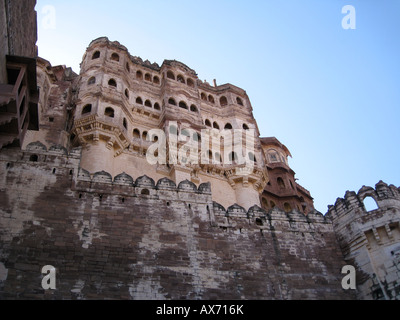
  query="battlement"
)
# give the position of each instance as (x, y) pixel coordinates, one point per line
(351, 208)
(369, 238)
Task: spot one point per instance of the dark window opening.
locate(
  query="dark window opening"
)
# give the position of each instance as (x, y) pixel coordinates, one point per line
(145, 192)
(112, 83)
(180, 79)
(223, 101)
(96, 55)
(115, 57)
(190, 83)
(87, 109)
(170, 75)
(91, 81)
(228, 126)
(33, 158)
(109, 112)
(183, 105)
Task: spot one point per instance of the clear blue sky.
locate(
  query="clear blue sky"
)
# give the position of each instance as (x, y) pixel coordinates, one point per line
(331, 95)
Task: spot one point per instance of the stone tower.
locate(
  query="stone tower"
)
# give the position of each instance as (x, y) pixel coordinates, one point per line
(370, 240)
(282, 190)
(210, 132)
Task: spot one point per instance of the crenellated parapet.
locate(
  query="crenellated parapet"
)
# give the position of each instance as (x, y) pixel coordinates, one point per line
(351, 209)
(369, 238)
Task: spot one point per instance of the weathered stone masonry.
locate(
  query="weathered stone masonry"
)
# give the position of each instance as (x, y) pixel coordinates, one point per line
(126, 238)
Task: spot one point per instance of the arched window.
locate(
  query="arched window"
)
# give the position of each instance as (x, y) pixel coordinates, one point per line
(139, 75)
(252, 157)
(190, 83)
(144, 135)
(183, 105)
(147, 77)
(239, 101)
(115, 57)
(127, 67)
(145, 192)
(273, 205)
(233, 157)
(218, 157)
(136, 134)
(287, 207)
(156, 80)
(148, 104)
(170, 75)
(91, 81)
(211, 99)
(87, 109)
(228, 126)
(172, 102)
(193, 108)
(112, 83)
(34, 158)
(215, 125)
(203, 96)
(125, 123)
(370, 204)
(281, 183)
(139, 100)
(245, 127)
(127, 93)
(96, 55)
(273, 156)
(109, 112)
(223, 101)
(157, 106)
(207, 123)
(180, 79)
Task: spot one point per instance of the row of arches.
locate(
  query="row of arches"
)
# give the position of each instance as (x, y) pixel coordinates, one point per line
(109, 112)
(180, 78)
(233, 157)
(139, 74)
(223, 101)
(183, 105)
(147, 77)
(287, 207)
(148, 103)
(228, 126)
(113, 83)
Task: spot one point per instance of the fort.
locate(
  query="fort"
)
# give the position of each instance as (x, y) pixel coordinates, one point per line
(222, 218)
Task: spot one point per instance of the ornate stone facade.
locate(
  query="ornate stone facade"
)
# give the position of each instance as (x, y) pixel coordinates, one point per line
(221, 218)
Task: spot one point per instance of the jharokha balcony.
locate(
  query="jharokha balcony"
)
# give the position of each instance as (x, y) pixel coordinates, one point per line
(18, 101)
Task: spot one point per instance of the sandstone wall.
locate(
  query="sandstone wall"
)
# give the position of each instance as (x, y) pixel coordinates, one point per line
(128, 237)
